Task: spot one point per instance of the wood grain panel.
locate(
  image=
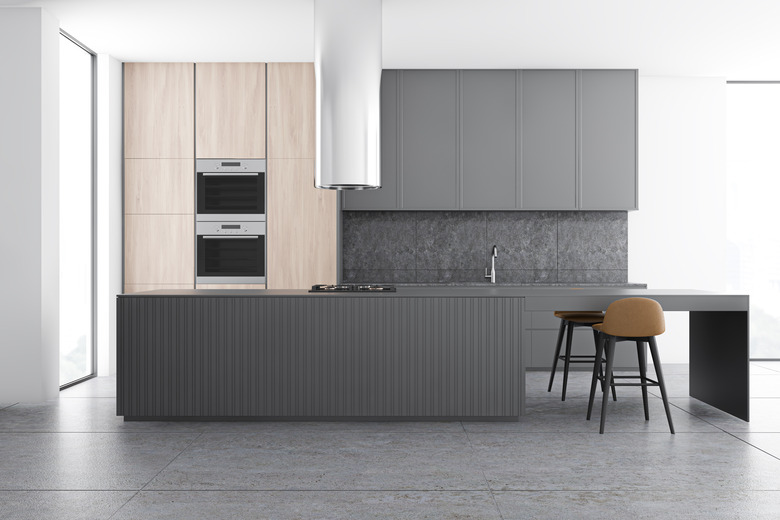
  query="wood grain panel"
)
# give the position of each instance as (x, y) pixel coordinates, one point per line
(291, 111)
(230, 286)
(162, 186)
(159, 249)
(142, 287)
(230, 110)
(302, 227)
(159, 110)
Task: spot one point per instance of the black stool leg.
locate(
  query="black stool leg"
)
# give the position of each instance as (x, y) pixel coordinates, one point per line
(610, 347)
(557, 354)
(596, 373)
(569, 331)
(640, 353)
(597, 359)
(659, 374)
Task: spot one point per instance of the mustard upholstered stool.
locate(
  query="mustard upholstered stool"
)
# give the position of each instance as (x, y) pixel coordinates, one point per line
(570, 320)
(630, 319)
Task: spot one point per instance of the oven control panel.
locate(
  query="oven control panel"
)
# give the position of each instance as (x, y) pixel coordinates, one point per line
(230, 228)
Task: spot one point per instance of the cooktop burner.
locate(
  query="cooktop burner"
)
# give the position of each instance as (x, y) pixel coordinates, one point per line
(352, 288)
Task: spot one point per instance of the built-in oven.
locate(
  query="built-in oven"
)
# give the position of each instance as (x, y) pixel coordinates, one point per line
(230, 190)
(230, 252)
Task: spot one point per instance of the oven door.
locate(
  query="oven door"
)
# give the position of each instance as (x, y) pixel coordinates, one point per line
(231, 196)
(230, 252)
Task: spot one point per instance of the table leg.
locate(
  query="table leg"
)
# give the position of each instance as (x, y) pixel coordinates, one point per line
(720, 360)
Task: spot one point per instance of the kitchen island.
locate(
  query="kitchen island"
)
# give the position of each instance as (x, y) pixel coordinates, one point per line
(418, 353)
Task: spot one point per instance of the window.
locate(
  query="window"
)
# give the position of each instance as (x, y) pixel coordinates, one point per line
(753, 178)
(77, 360)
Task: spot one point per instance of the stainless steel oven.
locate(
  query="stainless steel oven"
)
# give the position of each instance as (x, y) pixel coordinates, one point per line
(230, 190)
(230, 252)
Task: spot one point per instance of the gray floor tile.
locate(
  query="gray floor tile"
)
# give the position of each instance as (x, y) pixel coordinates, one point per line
(324, 460)
(334, 426)
(623, 461)
(82, 415)
(85, 461)
(61, 505)
(625, 415)
(95, 387)
(619, 505)
(251, 505)
(768, 442)
(773, 366)
(764, 415)
(765, 385)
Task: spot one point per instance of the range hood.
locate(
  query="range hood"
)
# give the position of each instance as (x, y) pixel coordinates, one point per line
(348, 71)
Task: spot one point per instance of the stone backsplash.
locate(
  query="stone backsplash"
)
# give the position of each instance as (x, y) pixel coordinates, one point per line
(454, 246)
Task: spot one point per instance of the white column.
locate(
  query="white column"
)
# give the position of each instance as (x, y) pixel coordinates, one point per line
(109, 208)
(29, 205)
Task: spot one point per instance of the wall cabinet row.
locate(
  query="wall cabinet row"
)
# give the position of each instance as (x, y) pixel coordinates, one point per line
(506, 139)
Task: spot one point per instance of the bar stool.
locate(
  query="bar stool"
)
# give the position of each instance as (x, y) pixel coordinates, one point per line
(630, 319)
(570, 320)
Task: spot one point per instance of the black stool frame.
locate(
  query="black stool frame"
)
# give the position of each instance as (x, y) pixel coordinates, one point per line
(606, 346)
(567, 358)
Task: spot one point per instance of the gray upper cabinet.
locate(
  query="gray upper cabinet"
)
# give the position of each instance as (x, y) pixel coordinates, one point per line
(506, 140)
(608, 139)
(548, 139)
(385, 197)
(429, 139)
(488, 139)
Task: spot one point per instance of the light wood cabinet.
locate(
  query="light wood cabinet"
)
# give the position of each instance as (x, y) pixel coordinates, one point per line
(302, 227)
(228, 286)
(291, 111)
(158, 110)
(159, 186)
(302, 220)
(230, 110)
(159, 249)
(143, 287)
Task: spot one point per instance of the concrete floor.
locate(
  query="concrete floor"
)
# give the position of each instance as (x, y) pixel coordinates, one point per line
(73, 458)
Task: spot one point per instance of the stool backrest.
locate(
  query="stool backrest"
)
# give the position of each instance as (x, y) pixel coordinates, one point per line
(634, 318)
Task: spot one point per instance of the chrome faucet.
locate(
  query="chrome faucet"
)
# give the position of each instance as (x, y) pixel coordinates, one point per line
(492, 273)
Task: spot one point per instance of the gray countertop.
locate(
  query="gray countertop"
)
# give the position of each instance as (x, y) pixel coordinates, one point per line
(537, 298)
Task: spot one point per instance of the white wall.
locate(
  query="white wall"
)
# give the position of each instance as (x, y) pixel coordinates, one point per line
(109, 208)
(29, 205)
(677, 239)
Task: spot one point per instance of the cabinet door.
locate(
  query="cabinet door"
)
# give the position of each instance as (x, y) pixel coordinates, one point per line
(159, 186)
(302, 227)
(159, 249)
(488, 138)
(429, 138)
(230, 110)
(548, 173)
(291, 111)
(385, 197)
(608, 139)
(158, 110)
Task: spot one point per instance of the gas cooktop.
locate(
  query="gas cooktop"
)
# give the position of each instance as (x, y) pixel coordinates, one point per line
(352, 288)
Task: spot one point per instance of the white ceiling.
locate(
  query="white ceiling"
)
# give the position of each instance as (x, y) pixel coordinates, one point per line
(738, 39)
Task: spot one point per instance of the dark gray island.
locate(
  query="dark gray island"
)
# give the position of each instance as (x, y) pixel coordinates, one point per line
(418, 353)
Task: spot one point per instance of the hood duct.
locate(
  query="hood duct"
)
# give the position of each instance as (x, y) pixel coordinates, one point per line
(348, 71)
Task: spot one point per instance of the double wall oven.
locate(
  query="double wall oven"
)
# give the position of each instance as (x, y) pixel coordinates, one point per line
(230, 221)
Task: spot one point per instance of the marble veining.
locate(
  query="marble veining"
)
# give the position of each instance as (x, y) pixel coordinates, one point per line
(454, 246)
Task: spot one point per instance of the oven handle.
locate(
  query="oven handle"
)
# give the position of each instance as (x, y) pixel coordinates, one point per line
(231, 237)
(230, 174)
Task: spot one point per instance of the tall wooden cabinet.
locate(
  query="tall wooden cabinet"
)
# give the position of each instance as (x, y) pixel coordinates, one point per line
(302, 220)
(159, 176)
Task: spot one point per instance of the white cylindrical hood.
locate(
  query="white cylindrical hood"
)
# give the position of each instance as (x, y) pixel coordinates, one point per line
(348, 70)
